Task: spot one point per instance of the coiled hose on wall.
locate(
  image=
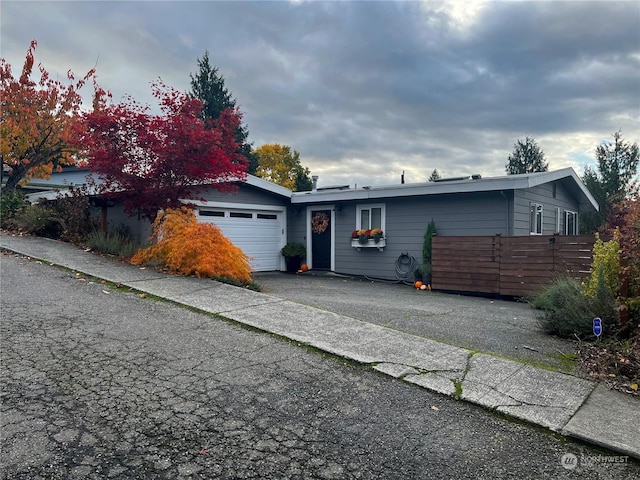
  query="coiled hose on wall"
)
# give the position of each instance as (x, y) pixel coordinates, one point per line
(406, 265)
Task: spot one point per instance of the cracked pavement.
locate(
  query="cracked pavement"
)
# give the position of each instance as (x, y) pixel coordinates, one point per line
(100, 383)
(508, 329)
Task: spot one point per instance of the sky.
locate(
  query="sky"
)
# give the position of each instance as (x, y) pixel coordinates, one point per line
(365, 91)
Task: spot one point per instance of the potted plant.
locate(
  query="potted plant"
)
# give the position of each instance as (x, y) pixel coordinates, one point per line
(376, 234)
(293, 254)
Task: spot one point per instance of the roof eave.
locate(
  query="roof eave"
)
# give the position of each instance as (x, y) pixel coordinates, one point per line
(268, 186)
(508, 182)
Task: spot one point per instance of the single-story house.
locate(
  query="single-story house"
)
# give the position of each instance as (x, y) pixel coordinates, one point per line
(511, 205)
(261, 217)
(254, 217)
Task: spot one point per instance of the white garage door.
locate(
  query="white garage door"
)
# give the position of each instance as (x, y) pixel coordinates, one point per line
(258, 233)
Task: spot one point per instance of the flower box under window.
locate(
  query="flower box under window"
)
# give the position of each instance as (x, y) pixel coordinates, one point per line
(370, 243)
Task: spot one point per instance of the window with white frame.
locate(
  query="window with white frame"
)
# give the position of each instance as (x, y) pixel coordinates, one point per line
(369, 217)
(570, 223)
(535, 222)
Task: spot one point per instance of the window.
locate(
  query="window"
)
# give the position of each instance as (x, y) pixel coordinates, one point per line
(535, 221)
(241, 215)
(370, 217)
(210, 213)
(570, 223)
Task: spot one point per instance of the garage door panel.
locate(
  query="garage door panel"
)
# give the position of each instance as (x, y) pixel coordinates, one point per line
(257, 233)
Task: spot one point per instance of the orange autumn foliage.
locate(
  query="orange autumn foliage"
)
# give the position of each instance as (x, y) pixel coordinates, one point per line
(190, 248)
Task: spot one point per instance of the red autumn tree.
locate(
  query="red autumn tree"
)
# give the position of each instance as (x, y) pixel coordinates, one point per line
(625, 216)
(36, 119)
(152, 162)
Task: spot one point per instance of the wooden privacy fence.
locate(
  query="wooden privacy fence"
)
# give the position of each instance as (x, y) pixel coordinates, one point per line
(514, 266)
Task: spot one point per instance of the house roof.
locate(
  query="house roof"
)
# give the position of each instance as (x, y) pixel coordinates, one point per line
(469, 184)
(268, 186)
(60, 182)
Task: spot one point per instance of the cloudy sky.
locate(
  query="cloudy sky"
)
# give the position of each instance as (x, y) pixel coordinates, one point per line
(366, 90)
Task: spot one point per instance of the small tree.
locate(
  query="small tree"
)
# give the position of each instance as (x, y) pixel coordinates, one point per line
(188, 247)
(427, 248)
(154, 162)
(278, 164)
(527, 157)
(606, 263)
(36, 120)
(435, 175)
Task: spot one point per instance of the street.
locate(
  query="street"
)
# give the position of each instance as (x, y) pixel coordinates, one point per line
(99, 382)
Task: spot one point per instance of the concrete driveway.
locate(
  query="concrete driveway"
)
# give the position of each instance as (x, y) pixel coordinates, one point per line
(500, 327)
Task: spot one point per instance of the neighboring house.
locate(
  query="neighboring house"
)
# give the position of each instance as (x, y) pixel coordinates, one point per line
(260, 217)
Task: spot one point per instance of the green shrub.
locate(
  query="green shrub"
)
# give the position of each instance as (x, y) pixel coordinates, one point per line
(603, 304)
(74, 214)
(634, 309)
(12, 203)
(427, 247)
(564, 309)
(113, 243)
(567, 312)
(40, 220)
(68, 217)
(606, 262)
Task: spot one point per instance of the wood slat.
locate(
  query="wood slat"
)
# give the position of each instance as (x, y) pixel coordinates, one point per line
(508, 265)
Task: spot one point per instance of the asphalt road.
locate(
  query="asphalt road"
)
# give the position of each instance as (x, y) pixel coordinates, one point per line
(100, 383)
(490, 325)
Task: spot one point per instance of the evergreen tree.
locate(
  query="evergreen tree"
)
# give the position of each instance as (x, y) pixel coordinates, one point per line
(612, 182)
(435, 175)
(208, 86)
(527, 157)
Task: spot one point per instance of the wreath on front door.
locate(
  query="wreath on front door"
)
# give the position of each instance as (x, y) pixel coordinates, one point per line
(319, 222)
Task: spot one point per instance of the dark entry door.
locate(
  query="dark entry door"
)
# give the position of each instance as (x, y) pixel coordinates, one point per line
(321, 239)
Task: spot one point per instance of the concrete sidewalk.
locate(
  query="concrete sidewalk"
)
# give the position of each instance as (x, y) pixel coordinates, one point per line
(559, 402)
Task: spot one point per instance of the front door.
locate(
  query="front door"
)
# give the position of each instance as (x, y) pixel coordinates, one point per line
(321, 239)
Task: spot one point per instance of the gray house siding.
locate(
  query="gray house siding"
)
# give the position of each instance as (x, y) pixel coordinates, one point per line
(140, 228)
(544, 195)
(136, 227)
(406, 222)
(297, 224)
(406, 219)
(245, 194)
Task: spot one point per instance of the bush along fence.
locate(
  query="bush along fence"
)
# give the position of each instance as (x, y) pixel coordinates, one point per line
(509, 266)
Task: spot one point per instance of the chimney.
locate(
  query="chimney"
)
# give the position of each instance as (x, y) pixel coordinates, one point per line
(314, 185)
(402, 178)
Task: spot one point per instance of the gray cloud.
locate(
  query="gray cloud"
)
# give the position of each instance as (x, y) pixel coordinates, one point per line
(364, 90)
